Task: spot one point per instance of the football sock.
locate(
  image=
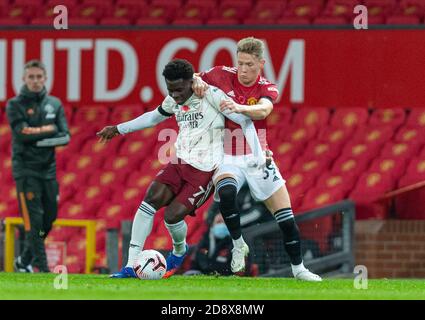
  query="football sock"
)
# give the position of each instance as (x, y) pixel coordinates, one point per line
(227, 191)
(291, 234)
(142, 227)
(178, 232)
(239, 242)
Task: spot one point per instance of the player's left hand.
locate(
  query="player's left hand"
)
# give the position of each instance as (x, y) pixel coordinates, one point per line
(231, 106)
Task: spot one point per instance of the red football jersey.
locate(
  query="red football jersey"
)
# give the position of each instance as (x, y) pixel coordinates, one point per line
(226, 79)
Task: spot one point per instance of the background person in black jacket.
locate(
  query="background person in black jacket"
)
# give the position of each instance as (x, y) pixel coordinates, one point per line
(38, 125)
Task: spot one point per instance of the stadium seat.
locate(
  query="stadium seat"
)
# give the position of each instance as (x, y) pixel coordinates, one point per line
(268, 10)
(400, 150)
(127, 10)
(380, 8)
(297, 134)
(337, 136)
(374, 134)
(93, 116)
(328, 20)
(306, 117)
(82, 208)
(200, 10)
(350, 166)
(311, 167)
(360, 150)
(288, 148)
(303, 9)
(415, 172)
(114, 21)
(47, 11)
(126, 112)
(140, 179)
(409, 134)
(68, 179)
(94, 147)
(222, 22)
(127, 195)
(389, 166)
(340, 8)
(93, 196)
(109, 177)
(258, 21)
(234, 9)
(184, 21)
(321, 150)
(293, 21)
(111, 213)
(320, 196)
(329, 181)
(416, 118)
(369, 188)
(298, 183)
(151, 21)
(87, 11)
(162, 9)
(79, 163)
(394, 117)
(411, 8)
(403, 20)
(349, 117)
(77, 21)
(13, 21)
(121, 163)
(139, 148)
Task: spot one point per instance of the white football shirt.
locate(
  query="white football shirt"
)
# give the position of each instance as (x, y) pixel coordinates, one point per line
(200, 138)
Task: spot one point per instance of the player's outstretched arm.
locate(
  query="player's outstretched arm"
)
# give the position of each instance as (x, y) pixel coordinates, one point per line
(250, 133)
(146, 120)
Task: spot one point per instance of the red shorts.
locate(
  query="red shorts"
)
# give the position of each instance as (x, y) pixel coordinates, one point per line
(192, 187)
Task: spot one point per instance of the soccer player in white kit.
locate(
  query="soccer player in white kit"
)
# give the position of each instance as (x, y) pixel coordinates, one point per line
(184, 185)
(253, 96)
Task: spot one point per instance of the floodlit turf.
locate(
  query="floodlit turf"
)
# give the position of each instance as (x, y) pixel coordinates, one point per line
(92, 287)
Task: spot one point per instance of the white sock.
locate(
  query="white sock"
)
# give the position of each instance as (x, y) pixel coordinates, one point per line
(178, 232)
(298, 268)
(238, 243)
(142, 227)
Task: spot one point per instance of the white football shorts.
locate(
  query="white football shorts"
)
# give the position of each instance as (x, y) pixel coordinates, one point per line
(263, 183)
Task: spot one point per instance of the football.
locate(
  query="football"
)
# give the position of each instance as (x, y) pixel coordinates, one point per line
(150, 265)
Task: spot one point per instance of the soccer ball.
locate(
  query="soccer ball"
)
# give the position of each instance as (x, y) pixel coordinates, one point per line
(150, 265)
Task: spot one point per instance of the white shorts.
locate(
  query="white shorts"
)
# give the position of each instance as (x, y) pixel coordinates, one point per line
(262, 183)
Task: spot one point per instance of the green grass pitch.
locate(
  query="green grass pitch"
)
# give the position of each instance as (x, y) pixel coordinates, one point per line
(93, 287)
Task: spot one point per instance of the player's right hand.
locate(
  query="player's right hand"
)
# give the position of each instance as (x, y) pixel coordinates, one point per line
(199, 86)
(107, 133)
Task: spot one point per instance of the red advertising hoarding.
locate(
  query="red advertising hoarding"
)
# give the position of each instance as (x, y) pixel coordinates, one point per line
(330, 68)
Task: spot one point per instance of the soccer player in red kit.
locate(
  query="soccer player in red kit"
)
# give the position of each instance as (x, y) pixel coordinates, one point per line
(253, 96)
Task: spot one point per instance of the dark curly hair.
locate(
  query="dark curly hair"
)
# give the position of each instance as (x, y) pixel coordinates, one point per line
(178, 69)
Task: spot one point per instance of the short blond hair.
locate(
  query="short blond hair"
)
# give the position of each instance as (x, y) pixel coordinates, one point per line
(252, 46)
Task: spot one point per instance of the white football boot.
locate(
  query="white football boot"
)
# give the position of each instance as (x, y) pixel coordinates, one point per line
(307, 275)
(238, 258)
